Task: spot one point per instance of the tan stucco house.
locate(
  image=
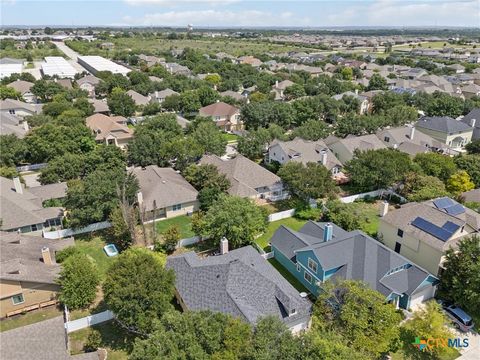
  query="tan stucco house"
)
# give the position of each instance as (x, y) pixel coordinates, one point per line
(111, 130)
(226, 117)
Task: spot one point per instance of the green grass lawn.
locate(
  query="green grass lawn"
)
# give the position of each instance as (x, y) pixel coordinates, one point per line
(93, 247)
(183, 222)
(230, 137)
(368, 215)
(115, 340)
(31, 317)
(292, 223)
(289, 277)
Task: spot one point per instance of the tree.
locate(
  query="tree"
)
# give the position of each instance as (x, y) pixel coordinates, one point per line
(366, 322)
(307, 181)
(78, 280)
(45, 91)
(119, 231)
(343, 215)
(138, 289)
(12, 150)
(261, 114)
(7, 92)
(237, 219)
(459, 183)
(471, 164)
(426, 323)
(460, 280)
(254, 144)
(189, 102)
(170, 238)
(377, 169)
(312, 130)
(207, 95)
(473, 147)
(437, 165)
(347, 73)
(294, 91)
(94, 198)
(418, 187)
(213, 79)
(210, 138)
(377, 82)
(120, 103)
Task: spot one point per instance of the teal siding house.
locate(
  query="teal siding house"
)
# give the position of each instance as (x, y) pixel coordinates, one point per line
(322, 251)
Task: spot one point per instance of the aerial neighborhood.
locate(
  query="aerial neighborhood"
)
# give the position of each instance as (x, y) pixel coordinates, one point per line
(184, 193)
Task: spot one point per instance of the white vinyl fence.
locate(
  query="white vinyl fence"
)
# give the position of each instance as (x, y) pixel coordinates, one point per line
(281, 215)
(87, 321)
(58, 234)
(188, 241)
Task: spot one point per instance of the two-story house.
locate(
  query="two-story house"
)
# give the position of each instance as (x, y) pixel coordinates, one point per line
(454, 133)
(112, 130)
(24, 88)
(344, 149)
(423, 232)
(323, 251)
(88, 83)
(226, 117)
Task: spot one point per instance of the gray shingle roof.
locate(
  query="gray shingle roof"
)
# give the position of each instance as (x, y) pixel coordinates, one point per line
(472, 195)
(164, 186)
(356, 256)
(473, 114)
(245, 175)
(11, 124)
(50, 191)
(240, 283)
(21, 255)
(443, 124)
(45, 340)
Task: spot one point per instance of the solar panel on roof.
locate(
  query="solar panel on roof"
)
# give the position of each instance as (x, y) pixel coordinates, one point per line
(431, 229)
(450, 227)
(444, 202)
(456, 209)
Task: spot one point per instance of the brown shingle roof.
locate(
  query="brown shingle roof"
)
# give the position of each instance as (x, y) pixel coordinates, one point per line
(21, 86)
(218, 109)
(105, 126)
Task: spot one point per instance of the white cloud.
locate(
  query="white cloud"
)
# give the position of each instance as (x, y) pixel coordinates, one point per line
(214, 18)
(410, 13)
(173, 3)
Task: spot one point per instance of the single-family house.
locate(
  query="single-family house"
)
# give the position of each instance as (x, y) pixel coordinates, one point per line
(11, 124)
(160, 96)
(19, 108)
(100, 106)
(323, 251)
(88, 83)
(24, 88)
(247, 178)
(138, 98)
(472, 119)
(471, 196)
(344, 149)
(471, 90)
(22, 209)
(454, 133)
(110, 129)
(423, 232)
(364, 103)
(226, 116)
(233, 94)
(279, 88)
(459, 69)
(164, 193)
(408, 140)
(250, 60)
(28, 272)
(305, 151)
(240, 283)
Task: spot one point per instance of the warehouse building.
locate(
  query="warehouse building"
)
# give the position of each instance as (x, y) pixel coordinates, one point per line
(10, 66)
(58, 66)
(95, 64)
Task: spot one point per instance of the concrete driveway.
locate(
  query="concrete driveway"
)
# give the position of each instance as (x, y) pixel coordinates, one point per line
(472, 352)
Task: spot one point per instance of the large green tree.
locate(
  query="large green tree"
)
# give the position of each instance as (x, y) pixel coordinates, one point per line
(12, 150)
(138, 289)
(237, 219)
(208, 135)
(254, 144)
(471, 164)
(377, 169)
(460, 280)
(310, 181)
(312, 130)
(437, 165)
(418, 187)
(120, 103)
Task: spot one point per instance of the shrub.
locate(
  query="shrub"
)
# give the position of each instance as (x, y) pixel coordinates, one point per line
(94, 341)
(62, 255)
(309, 213)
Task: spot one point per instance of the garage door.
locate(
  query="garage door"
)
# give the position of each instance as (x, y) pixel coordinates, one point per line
(421, 296)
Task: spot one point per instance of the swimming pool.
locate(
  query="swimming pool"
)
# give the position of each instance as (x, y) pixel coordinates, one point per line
(110, 250)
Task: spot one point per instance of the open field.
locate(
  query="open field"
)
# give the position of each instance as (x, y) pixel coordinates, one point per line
(236, 47)
(433, 45)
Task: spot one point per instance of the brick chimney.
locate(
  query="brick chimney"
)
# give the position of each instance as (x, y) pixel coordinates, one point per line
(46, 256)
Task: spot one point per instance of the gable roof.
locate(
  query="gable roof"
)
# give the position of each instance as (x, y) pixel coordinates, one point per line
(443, 124)
(11, 124)
(244, 174)
(233, 94)
(21, 86)
(355, 255)
(11, 104)
(218, 109)
(24, 209)
(362, 143)
(472, 195)
(473, 114)
(305, 151)
(104, 126)
(88, 79)
(21, 257)
(240, 283)
(138, 98)
(164, 186)
(401, 136)
(164, 93)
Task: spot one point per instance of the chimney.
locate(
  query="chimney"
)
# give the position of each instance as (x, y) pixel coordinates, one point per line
(25, 126)
(412, 132)
(276, 83)
(473, 122)
(140, 198)
(18, 185)
(324, 157)
(223, 246)
(383, 208)
(46, 256)
(327, 232)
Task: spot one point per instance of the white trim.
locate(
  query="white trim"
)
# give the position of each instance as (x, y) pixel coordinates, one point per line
(307, 270)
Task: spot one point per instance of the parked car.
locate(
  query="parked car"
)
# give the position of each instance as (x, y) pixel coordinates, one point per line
(460, 318)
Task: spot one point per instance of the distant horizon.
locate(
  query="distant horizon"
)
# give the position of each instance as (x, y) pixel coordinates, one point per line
(313, 14)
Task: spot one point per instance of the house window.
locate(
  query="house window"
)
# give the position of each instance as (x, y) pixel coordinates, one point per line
(307, 277)
(386, 139)
(398, 246)
(298, 267)
(18, 299)
(177, 207)
(11, 111)
(312, 265)
(217, 118)
(400, 233)
(34, 227)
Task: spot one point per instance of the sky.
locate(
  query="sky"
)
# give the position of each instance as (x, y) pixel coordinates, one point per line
(242, 13)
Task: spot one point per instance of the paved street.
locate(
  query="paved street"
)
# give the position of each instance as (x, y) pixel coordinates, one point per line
(73, 55)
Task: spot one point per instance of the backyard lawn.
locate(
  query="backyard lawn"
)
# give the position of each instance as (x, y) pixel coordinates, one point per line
(368, 216)
(92, 246)
(115, 340)
(230, 137)
(289, 277)
(292, 223)
(183, 222)
(29, 318)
